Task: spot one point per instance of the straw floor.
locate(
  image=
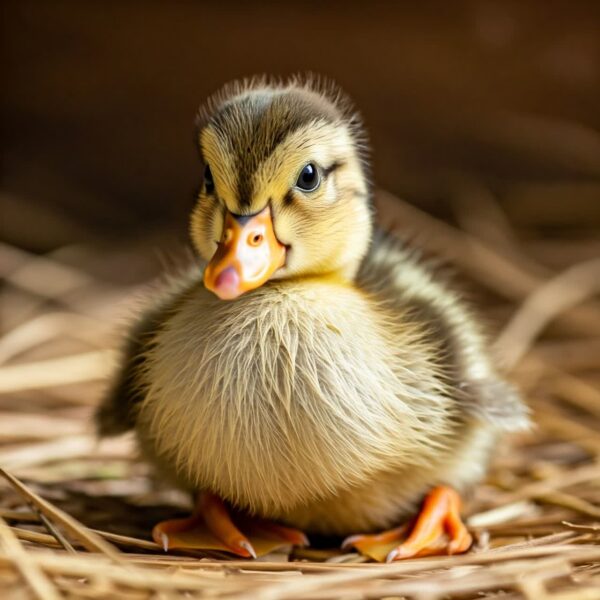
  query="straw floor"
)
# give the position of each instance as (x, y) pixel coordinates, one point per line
(75, 514)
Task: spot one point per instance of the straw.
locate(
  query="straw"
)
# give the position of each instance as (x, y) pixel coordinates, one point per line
(76, 515)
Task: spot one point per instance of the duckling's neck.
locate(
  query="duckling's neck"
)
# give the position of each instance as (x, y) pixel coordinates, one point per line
(344, 274)
(338, 278)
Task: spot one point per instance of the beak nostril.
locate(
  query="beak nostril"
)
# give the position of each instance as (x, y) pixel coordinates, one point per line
(228, 236)
(255, 239)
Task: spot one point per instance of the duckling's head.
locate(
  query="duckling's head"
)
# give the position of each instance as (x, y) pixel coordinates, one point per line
(285, 191)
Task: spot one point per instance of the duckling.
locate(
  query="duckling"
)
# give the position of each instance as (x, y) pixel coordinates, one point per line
(309, 371)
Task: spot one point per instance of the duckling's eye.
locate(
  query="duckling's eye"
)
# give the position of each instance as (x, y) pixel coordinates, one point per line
(209, 183)
(308, 180)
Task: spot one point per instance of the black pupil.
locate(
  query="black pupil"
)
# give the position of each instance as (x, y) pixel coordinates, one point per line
(208, 180)
(308, 177)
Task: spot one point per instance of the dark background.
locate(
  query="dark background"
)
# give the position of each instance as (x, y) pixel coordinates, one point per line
(99, 100)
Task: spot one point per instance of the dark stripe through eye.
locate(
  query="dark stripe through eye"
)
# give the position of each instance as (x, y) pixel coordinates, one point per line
(333, 167)
(288, 198)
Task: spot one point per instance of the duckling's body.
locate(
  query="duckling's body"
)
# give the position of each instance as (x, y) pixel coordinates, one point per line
(330, 399)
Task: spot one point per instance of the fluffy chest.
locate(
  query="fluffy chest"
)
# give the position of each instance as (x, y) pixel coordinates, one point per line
(284, 396)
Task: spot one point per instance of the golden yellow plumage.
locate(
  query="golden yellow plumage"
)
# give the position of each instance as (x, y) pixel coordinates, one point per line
(336, 394)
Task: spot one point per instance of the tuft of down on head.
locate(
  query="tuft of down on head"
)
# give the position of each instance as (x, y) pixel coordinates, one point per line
(255, 138)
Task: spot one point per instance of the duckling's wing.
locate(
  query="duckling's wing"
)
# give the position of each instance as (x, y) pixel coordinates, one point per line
(407, 287)
(117, 412)
(497, 402)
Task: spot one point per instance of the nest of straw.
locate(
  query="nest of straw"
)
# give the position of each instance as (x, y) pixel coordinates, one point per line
(75, 514)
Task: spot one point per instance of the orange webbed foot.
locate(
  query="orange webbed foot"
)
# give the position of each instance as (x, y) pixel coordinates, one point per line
(212, 528)
(437, 530)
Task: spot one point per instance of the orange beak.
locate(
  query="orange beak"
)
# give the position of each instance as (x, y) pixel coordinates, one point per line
(248, 254)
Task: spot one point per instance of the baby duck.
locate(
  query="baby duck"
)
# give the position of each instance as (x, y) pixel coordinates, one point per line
(316, 377)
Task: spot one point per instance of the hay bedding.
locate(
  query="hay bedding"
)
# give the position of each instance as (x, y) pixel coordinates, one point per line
(75, 515)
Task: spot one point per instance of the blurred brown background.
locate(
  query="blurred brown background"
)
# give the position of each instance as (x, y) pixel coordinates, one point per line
(99, 100)
(484, 119)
